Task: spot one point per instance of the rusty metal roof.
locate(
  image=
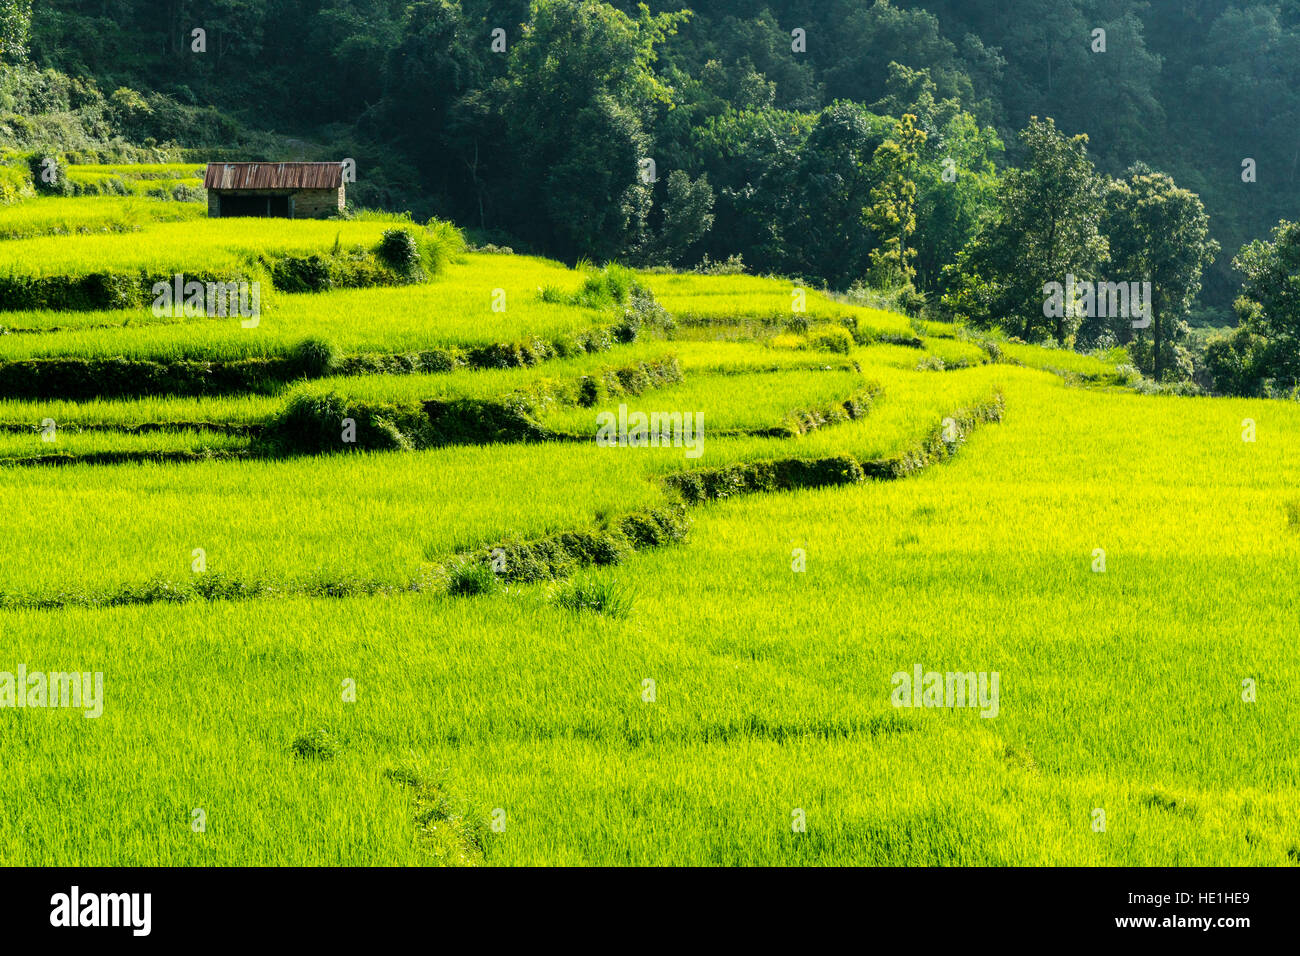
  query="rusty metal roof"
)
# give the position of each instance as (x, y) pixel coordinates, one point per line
(273, 176)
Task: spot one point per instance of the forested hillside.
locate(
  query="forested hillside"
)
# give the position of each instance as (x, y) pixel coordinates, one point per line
(768, 131)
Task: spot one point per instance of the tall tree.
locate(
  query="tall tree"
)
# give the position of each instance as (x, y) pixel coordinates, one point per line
(15, 29)
(578, 101)
(822, 205)
(1270, 301)
(892, 211)
(1045, 226)
(1159, 233)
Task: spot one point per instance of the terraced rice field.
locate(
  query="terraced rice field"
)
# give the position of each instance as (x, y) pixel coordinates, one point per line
(382, 610)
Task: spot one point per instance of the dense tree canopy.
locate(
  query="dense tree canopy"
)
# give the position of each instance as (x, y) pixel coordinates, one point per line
(769, 129)
(1045, 227)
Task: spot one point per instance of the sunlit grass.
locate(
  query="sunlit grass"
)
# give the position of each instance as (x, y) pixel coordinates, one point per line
(75, 215)
(454, 308)
(690, 703)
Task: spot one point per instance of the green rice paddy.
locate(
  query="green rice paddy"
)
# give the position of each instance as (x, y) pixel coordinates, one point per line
(544, 650)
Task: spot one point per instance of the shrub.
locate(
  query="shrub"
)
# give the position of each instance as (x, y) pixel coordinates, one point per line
(470, 422)
(398, 251)
(440, 244)
(49, 175)
(1127, 374)
(467, 577)
(316, 357)
(831, 338)
(911, 302)
(650, 529)
(312, 422)
(1236, 362)
(645, 310)
(589, 391)
(733, 265)
(610, 286)
(115, 290)
(308, 422)
(302, 274)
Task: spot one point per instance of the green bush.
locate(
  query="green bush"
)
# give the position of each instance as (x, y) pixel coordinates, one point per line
(316, 357)
(314, 422)
(467, 422)
(49, 174)
(1237, 363)
(911, 302)
(607, 287)
(302, 273)
(467, 577)
(643, 311)
(831, 338)
(440, 243)
(399, 252)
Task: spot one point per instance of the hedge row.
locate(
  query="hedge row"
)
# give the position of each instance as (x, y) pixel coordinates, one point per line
(208, 586)
(314, 422)
(79, 378)
(858, 405)
(123, 457)
(523, 354)
(784, 474)
(874, 337)
(559, 555)
(93, 291)
(551, 557)
(940, 444)
(140, 428)
(793, 473)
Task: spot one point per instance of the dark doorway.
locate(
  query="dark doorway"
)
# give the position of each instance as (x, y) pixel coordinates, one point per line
(274, 206)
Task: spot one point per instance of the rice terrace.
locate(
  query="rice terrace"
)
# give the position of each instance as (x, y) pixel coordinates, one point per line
(337, 534)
